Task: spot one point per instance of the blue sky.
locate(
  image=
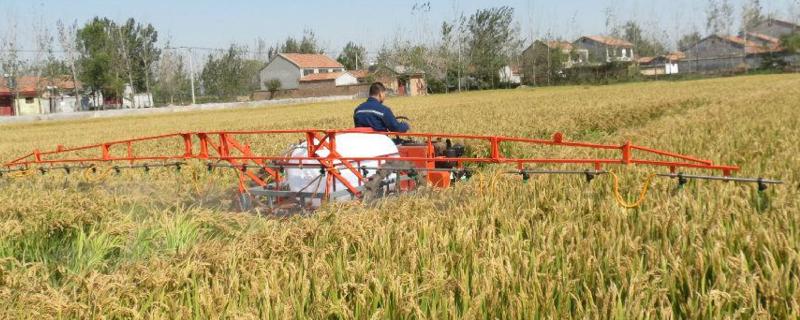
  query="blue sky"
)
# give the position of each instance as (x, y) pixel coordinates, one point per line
(215, 23)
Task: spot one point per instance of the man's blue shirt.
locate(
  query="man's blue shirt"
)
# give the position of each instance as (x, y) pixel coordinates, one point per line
(373, 114)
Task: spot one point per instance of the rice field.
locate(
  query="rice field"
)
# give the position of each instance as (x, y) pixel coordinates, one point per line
(161, 245)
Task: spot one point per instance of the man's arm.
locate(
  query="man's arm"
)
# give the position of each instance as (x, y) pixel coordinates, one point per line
(391, 122)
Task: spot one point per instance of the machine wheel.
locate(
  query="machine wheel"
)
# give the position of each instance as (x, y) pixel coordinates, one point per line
(374, 188)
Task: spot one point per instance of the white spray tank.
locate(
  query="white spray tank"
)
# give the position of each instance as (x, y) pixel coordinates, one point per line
(348, 145)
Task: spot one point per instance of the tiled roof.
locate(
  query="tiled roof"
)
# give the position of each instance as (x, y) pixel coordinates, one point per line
(785, 23)
(322, 76)
(31, 84)
(670, 57)
(675, 56)
(646, 60)
(763, 37)
(610, 41)
(304, 60)
(739, 41)
(772, 44)
(563, 45)
(750, 46)
(359, 74)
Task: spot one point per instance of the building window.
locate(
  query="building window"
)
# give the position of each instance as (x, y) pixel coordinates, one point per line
(323, 70)
(28, 100)
(307, 71)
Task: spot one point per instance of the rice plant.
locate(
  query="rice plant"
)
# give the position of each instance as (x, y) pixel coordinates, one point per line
(153, 245)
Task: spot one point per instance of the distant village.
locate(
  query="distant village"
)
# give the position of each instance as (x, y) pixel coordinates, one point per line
(302, 75)
(318, 75)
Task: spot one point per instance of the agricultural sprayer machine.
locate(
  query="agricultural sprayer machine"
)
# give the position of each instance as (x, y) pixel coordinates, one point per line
(358, 164)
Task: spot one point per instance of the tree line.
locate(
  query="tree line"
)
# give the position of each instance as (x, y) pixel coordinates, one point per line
(466, 53)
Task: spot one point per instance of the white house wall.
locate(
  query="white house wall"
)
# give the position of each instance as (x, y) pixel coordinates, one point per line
(283, 70)
(346, 79)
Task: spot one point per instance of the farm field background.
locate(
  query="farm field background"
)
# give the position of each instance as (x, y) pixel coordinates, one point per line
(162, 245)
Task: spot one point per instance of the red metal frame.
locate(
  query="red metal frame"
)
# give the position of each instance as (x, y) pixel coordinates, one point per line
(222, 146)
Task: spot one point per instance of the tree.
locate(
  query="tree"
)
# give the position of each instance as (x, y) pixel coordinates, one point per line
(492, 40)
(44, 48)
(67, 38)
(99, 57)
(126, 41)
(230, 74)
(719, 17)
(113, 55)
(642, 45)
(689, 40)
(544, 64)
(9, 59)
(273, 86)
(446, 51)
(353, 56)
(752, 14)
(791, 42)
(308, 44)
(149, 53)
(415, 58)
(172, 79)
(262, 52)
(290, 46)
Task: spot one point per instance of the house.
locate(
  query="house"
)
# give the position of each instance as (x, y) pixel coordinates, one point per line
(291, 68)
(334, 78)
(319, 84)
(762, 39)
(660, 65)
(510, 74)
(775, 28)
(544, 61)
(539, 48)
(307, 75)
(401, 80)
(138, 100)
(29, 95)
(363, 76)
(718, 53)
(603, 49)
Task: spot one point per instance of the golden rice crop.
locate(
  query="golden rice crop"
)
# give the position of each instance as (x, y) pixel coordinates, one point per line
(164, 244)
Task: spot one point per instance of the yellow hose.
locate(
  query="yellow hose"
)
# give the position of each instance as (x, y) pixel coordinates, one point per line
(20, 174)
(642, 194)
(87, 174)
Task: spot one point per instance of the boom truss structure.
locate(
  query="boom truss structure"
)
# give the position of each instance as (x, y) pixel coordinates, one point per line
(259, 171)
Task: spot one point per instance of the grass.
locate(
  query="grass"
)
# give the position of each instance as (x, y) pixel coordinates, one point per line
(156, 246)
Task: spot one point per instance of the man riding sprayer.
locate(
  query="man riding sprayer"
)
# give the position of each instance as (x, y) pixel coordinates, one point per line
(373, 114)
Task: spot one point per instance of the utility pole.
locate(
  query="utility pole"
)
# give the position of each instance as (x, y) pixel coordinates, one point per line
(191, 73)
(12, 86)
(744, 47)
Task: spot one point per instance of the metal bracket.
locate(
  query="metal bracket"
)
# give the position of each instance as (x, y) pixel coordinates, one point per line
(682, 181)
(589, 176)
(762, 186)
